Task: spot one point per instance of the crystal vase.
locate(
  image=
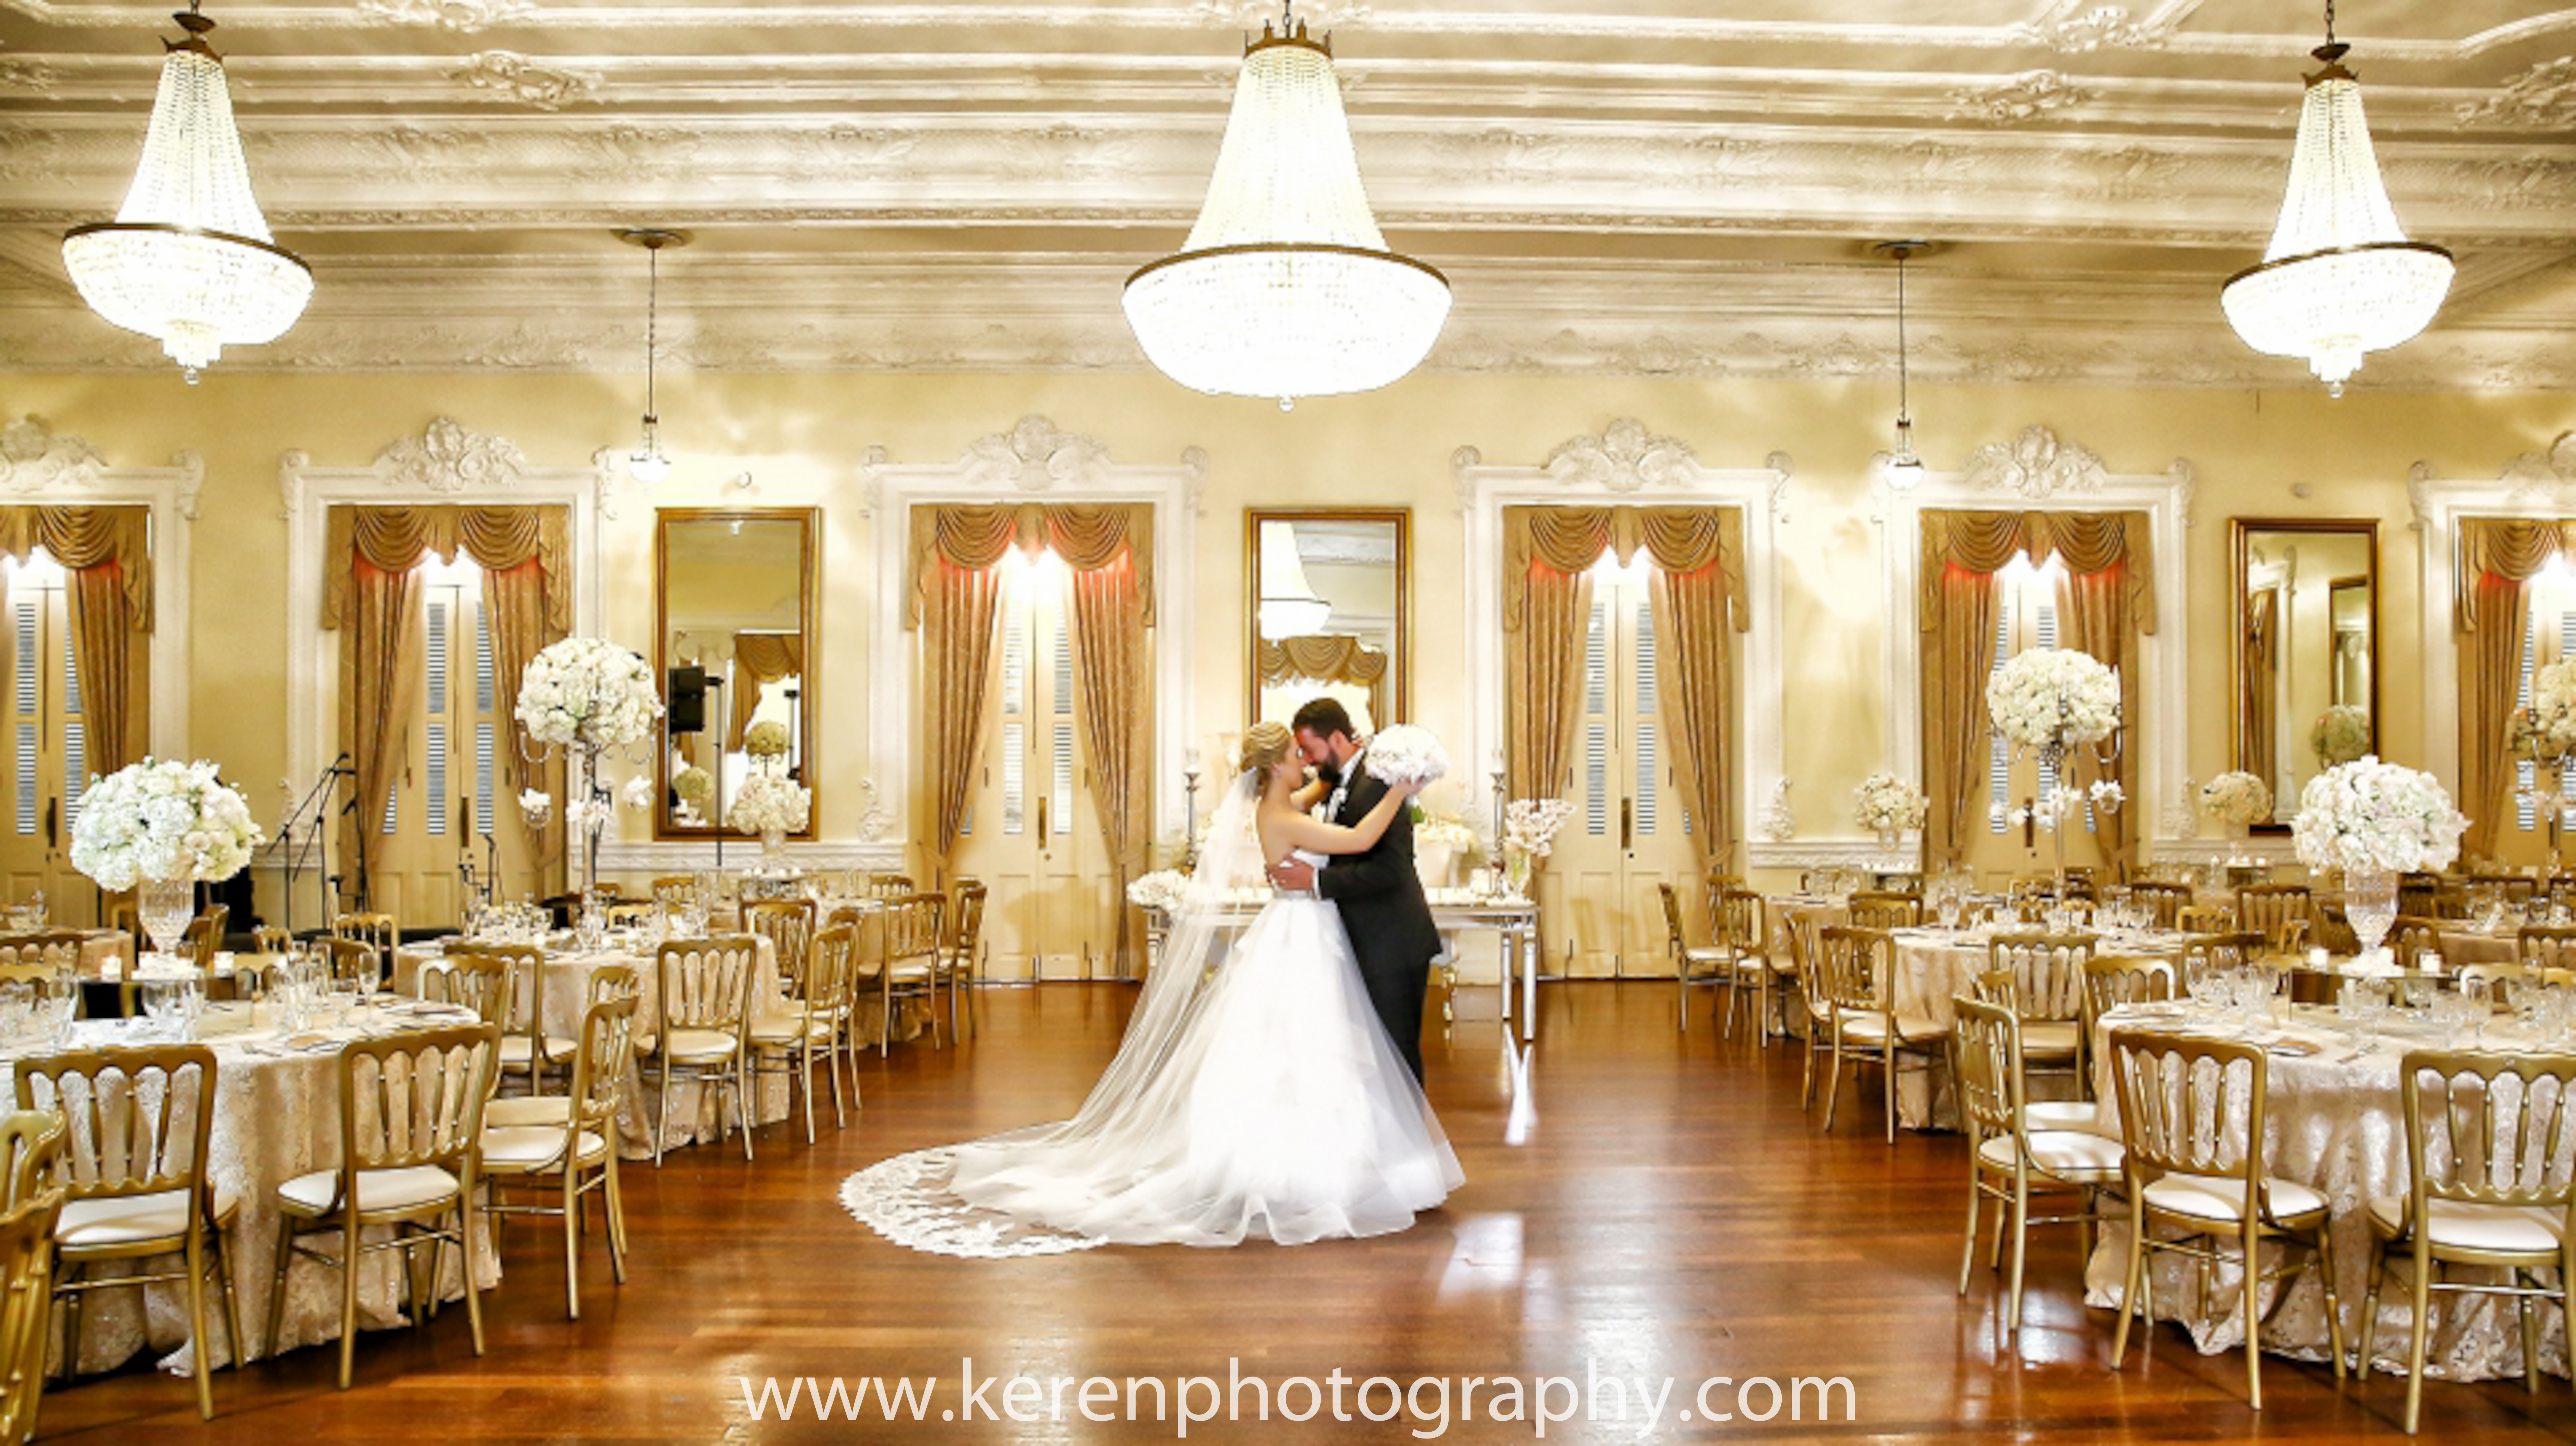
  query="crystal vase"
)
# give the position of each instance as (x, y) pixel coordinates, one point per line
(773, 847)
(2370, 906)
(165, 907)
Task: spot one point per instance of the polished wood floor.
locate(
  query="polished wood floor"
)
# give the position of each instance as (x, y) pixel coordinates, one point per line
(1668, 1212)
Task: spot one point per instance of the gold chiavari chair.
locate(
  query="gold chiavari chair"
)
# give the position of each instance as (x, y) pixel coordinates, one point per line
(2411, 937)
(2191, 1116)
(758, 888)
(1806, 970)
(675, 891)
(579, 1151)
(56, 949)
(2516, 889)
(527, 1051)
(908, 965)
(2205, 919)
(2546, 946)
(1744, 932)
(204, 936)
(1694, 965)
(608, 983)
(350, 960)
(2009, 1157)
(960, 959)
(788, 925)
(2080, 884)
(2164, 901)
(2493, 1193)
(2108, 984)
(888, 887)
(272, 940)
(378, 930)
(706, 1012)
(32, 1142)
(816, 1029)
(140, 1186)
(1885, 909)
(2419, 895)
(2204, 952)
(2047, 972)
(1859, 973)
(411, 1136)
(2279, 912)
(2500, 980)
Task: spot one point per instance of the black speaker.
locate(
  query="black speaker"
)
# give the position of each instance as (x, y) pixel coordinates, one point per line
(688, 700)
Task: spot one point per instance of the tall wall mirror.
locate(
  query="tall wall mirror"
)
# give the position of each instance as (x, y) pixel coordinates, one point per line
(1328, 598)
(2306, 655)
(734, 608)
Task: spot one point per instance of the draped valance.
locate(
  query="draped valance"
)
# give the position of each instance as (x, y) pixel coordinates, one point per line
(1086, 537)
(1678, 540)
(1326, 658)
(2513, 548)
(758, 660)
(2087, 542)
(497, 539)
(85, 537)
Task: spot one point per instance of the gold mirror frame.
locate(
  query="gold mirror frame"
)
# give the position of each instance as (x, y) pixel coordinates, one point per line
(809, 522)
(1398, 694)
(2241, 534)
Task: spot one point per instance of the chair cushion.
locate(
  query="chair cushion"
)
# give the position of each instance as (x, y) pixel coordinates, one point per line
(522, 1147)
(377, 1189)
(2049, 1038)
(1870, 1027)
(2072, 1154)
(2216, 1198)
(913, 973)
(702, 1046)
(2466, 1225)
(514, 1050)
(528, 1110)
(788, 1030)
(131, 1219)
(2084, 1115)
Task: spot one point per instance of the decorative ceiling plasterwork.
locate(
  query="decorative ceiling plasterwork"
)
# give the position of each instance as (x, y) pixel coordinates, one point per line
(506, 75)
(1624, 458)
(2035, 464)
(2024, 97)
(465, 17)
(2542, 99)
(2080, 30)
(1036, 455)
(449, 459)
(34, 458)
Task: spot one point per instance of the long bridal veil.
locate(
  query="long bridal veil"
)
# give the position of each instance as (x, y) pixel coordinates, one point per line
(913, 1199)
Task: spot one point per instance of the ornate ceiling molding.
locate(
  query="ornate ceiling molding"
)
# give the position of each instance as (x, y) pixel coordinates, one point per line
(465, 17)
(2541, 99)
(449, 459)
(2028, 96)
(506, 75)
(2077, 30)
(1624, 457)
(35, 458)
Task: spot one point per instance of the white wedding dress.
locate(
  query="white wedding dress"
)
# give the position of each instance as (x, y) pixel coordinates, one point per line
(1263, 1100)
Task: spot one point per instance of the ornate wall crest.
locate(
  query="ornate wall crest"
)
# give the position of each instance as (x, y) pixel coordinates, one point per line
(2546, 476)
(34, 459)
(1035, 456)
(450, 459)
(1624, 458)
(506, 75)
(2035, 464)
(1776, 820)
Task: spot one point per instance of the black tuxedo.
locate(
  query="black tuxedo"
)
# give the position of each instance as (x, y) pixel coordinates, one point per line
(1390, 925)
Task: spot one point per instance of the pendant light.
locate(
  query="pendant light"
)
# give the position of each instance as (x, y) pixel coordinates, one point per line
(189, 260)
(2340, 278)
(648, 463)
(1286, 287)
(1904, 470)
(1289, 606)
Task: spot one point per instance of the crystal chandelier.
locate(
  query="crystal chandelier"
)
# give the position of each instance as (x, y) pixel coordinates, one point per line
(1286, 287)
(1289, 606)
(648, 463)
(1904, 470)
(2340, 278)
(189, 260)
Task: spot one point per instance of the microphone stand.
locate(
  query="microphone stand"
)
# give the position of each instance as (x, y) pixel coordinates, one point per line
(714, 683)
(318, 804)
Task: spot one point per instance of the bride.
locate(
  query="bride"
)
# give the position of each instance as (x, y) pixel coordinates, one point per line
(1255, 1092)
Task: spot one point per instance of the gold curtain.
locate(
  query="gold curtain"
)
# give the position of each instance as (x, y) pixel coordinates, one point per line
(2260, 745)
(1327, 658)
(2083, 541)
(379, 666)
(2498, 558)
(1701, 596)
(1109, 636)
(516, 602)
(2094, 618)
(106, 556)
(1959, 624)
(761, 658)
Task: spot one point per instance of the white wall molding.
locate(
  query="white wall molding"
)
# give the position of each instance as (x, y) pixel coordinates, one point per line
(2536, 484)
(1033, 461)
(1625, 463)
(40, 467)
(667, 856)
(2037, 470)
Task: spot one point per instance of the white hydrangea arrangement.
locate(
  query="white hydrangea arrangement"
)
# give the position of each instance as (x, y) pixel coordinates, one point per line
(1530, 825)
(1160, 890)
(2341, 735)
(2237, 799)
(2367, 817)
(1406, 754)
(766, 740)
(2544, 729)
(590, 692)
(694, 785)
(770, 801)
(162, 821)
(1885, 803)
(2045, 696)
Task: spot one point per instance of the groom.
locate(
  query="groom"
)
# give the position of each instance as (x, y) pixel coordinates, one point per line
(1378, 892)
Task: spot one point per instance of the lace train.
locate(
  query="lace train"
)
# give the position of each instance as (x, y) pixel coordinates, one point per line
(907, 1200)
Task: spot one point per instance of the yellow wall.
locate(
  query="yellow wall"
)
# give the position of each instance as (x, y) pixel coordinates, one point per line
(802, 436)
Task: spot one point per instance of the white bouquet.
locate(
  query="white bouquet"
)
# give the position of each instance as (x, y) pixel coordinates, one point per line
(2372, 817)
(1406, 754)
(2237, 799)
(1886, 803)
(767, 739)
(162, 821)
(587, 691)
(1530, 825)
(1161, 890)
(2053, 695)
(770, 801)
(2341, 734)
(2107, 796)
(694, 785)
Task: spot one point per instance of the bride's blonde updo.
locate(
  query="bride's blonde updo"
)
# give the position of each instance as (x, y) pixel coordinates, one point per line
(1265, 747)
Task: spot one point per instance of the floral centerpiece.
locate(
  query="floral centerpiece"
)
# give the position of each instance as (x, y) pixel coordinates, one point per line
(1406, 754)
(586, 696)
(1888, 805)
(2054, 698)
(2542, 733)
(771, 805)
(767, 740)
(1438, 842)
(1160, 890)
(2374, 821)
(162, 827)
(2341, 734)
(694, 787)
(2237, 799)
(1529, 834)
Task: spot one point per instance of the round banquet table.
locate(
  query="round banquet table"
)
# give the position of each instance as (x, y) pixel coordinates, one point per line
(277, 1116)
(2334, 1121)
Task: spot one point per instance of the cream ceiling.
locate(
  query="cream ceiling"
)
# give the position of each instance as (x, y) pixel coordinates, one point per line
(1636, 186)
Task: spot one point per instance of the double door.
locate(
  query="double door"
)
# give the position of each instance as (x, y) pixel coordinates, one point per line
(48, 764)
